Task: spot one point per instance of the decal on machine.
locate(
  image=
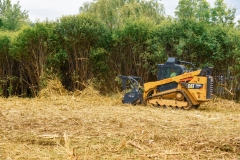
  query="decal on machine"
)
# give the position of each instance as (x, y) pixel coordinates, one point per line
(194, 86)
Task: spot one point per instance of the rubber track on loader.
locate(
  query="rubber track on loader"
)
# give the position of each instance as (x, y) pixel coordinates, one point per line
(184, 94)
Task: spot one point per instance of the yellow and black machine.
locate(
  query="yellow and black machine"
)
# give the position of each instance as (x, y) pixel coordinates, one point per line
(176, 86)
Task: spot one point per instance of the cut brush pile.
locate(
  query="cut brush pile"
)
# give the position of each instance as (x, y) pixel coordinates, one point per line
(89, 96)
(86, 125)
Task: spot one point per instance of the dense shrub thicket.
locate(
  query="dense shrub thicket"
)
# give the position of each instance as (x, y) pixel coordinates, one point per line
(112, 37)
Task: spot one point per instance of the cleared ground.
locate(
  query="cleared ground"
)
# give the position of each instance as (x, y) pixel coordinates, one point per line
(85, 125)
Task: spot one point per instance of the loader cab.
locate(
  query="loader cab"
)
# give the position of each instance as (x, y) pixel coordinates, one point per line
(172, 65)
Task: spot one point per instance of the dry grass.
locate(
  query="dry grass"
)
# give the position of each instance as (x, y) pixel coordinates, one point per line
(86, 125)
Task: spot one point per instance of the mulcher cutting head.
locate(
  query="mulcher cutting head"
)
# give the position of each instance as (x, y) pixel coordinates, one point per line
(132, 87)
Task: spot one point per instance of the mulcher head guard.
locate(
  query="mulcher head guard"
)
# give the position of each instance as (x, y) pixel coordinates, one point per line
(132, 88)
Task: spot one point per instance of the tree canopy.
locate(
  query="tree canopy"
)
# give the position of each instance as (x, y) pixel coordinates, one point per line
(11, 16)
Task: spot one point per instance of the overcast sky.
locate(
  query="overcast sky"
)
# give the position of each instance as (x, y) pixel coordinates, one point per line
(53, 9)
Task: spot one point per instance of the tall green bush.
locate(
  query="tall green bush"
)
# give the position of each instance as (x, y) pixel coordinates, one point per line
(131, 53)
(9, 72)
(79, 35)
(31, 49)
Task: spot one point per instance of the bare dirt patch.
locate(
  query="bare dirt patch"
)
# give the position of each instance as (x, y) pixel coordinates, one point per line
(86, 125)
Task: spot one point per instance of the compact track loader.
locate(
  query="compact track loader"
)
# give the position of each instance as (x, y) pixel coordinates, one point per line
(176, 86)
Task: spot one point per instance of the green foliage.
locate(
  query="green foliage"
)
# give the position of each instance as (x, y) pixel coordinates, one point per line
(201, 10)
(226, 45)
(82, 28)
(33, 42)
(1, 23)
(99, 62)
(12, 17)
(221, 14)
(167, 36)
(31, 48)
(238, 25)
(199, 42)
(99, 65)
(8, 67)
(114, 12)
(4, 44)
(79, 35)
(131, 44)
(5, 59)
(192, 9)
(186, 9)
(55, 61)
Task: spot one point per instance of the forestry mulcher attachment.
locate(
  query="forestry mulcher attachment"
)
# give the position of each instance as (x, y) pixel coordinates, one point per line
(176, 86)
